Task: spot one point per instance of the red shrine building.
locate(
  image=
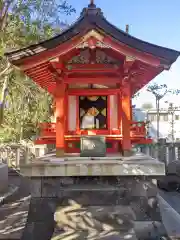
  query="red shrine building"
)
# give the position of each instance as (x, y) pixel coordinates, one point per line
(92, 70)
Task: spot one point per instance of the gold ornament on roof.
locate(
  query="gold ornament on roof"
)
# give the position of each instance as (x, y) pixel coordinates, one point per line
(93, 33)
(82, 45)
(99, 44)
(102, 45)
(130, 58)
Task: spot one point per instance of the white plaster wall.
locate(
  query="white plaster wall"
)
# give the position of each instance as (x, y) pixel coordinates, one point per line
(113, 112)
(71, 113)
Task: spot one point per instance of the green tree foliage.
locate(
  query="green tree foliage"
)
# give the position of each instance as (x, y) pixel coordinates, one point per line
(22, 103)
(160, 91)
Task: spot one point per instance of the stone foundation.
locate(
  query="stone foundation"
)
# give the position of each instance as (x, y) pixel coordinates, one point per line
(99, 207)
(50, 165)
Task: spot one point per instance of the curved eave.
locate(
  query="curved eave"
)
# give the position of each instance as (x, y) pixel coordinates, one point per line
(90, 21)
(144, 78)
(167, 54)
(38, 48)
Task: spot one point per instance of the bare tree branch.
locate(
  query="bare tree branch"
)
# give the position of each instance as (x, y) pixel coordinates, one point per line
(4, 13)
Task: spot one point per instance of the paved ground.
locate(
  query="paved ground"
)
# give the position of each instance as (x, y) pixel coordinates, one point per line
(173, 199)
(13, 214)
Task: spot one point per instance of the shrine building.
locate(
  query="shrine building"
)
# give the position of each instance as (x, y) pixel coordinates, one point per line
(92, 70)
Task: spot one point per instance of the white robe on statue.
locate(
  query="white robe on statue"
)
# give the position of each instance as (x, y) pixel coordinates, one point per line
(88, 122)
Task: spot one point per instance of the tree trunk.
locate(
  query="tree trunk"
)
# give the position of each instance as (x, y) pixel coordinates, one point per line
(21, 135)
(3, 98)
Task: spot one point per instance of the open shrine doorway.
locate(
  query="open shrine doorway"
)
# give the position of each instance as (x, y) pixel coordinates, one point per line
(93, 112)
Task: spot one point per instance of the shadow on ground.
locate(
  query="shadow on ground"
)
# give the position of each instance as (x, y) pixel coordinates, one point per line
(13, 213)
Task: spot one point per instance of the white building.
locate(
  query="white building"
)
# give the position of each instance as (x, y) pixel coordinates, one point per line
(169, 122)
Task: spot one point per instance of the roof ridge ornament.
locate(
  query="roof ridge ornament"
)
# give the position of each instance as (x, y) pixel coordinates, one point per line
(91, 9)
(91, 4)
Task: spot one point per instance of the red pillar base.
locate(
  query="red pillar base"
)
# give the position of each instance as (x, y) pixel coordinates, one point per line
(59, 152)
(127, 153)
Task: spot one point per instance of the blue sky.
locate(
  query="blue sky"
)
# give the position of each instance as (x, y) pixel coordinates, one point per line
(155, 21)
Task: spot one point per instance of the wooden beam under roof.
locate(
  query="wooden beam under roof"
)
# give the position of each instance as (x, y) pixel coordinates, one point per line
(93, 80)
(94, 92)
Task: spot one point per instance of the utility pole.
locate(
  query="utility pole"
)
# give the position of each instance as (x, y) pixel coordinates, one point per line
(158, 116)
(171, 110)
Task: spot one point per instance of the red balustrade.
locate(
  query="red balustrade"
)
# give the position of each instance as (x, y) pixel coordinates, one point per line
(138, 134)
(47, 129)
(138, 129)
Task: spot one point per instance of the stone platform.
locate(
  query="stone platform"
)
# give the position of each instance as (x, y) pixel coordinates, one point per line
(107, 208)
(107, 195)
(111, 165)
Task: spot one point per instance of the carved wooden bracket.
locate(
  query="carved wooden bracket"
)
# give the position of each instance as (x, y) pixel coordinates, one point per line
(127, 67)
(57, 67)
(128, 63)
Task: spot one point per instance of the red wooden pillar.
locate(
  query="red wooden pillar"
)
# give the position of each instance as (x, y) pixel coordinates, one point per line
(126, 119)
(119, 100)
(60, 119)
(119, 116)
